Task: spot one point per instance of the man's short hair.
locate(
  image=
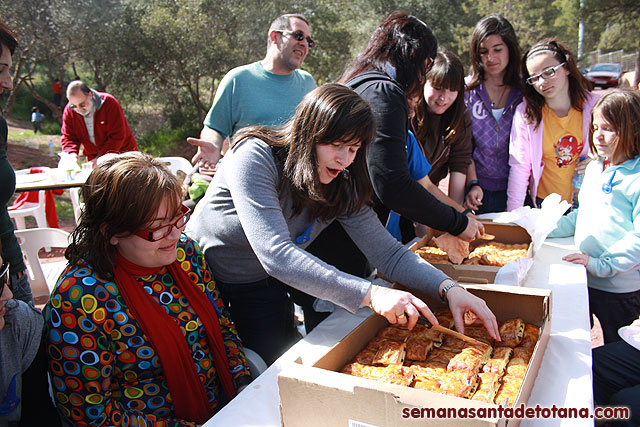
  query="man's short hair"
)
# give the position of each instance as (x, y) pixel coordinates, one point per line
(78, 85)
(283, 22)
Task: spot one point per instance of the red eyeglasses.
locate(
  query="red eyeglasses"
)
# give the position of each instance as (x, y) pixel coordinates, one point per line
(163, 231)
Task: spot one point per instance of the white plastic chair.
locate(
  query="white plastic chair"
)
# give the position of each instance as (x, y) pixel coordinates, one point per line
(255, 362)
(176, 164)
(35, 210)
(77, 205)
(31, 241)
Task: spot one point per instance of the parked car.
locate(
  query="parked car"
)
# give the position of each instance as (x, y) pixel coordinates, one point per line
(605, 75)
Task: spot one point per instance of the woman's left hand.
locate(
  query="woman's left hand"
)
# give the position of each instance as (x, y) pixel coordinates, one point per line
(473, 199)
(461, 302)
(399, 307)
(577, 258)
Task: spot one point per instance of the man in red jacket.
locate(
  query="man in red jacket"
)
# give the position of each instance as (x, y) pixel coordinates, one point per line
(96, 121)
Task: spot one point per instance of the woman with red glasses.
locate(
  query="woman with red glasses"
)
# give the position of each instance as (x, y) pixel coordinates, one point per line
(550, 131)
(136, 330)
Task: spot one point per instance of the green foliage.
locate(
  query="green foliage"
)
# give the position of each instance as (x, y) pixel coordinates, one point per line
(64, 209)
(165, 141)
(168, 56)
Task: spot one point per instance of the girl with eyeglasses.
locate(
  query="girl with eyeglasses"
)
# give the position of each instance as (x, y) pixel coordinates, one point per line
(606, 225)
(24, 390)
(276, 191)
(550, 128)
(136, 328)
(494, 90)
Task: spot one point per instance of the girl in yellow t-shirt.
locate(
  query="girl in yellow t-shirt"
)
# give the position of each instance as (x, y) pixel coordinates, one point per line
(550, 128)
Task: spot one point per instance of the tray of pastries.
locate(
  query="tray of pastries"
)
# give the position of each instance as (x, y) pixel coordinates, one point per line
(491, 372)
(495, 254)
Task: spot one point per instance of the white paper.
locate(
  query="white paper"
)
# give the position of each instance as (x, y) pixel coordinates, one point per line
(538, 222)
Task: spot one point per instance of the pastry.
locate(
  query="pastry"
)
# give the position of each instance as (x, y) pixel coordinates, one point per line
(470, 358)
(511, 332)
(390, 353)
(488, 385)
(530, 336)
(498, 362)
(418, 347)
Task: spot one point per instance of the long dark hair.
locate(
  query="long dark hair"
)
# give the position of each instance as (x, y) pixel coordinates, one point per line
(495, 25)
(447, 72)
(578, 84)
(8, 39)
(121, 195)
(620, 108)
(402, 40)
(328, 114)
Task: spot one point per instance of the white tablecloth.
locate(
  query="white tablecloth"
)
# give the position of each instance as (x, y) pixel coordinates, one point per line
(564, 378)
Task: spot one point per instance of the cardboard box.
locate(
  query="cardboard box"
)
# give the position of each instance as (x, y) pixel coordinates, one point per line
(483, 274)
(317, 395)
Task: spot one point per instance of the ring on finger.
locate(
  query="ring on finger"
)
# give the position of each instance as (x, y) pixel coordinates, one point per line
(399, 316)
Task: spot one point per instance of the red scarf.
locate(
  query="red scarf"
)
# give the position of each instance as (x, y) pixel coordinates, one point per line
(188, 392)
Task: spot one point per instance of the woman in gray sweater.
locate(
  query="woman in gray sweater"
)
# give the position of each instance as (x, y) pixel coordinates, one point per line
(276, 190)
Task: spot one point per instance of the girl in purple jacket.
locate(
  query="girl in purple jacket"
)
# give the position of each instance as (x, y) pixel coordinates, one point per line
(494, 90)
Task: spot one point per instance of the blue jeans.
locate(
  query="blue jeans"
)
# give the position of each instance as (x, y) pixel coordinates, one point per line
(493, 201)
(20, 288)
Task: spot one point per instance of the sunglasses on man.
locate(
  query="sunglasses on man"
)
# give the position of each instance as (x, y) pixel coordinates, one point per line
(4, 277)
(546, 74)
(298, 35)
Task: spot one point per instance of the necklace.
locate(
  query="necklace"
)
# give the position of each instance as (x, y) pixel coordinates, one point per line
(499, 101)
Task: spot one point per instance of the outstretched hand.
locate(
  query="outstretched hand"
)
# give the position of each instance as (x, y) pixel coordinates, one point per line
(474, 229)
(474, 197)
(208, 154)
(399, 307)
(462, 304)
(577, 258)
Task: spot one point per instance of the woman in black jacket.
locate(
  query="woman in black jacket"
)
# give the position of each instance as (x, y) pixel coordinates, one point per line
(390, 70)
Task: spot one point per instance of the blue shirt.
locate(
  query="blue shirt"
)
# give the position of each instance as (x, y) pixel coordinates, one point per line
(36, 116)
(606, 226)
(419, 167)
(250, 95)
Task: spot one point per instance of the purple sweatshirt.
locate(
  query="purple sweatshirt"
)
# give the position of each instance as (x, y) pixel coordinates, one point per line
(491, 137)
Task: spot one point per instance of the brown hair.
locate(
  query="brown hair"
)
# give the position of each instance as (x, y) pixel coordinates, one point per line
(489, 26)
(447, 72)
(578, 84)
(330, 113)
(402, 40)
(620, 108)
(8, 39)
(121, 196)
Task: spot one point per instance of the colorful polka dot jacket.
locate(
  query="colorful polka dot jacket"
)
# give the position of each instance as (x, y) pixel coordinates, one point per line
(103, 368)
